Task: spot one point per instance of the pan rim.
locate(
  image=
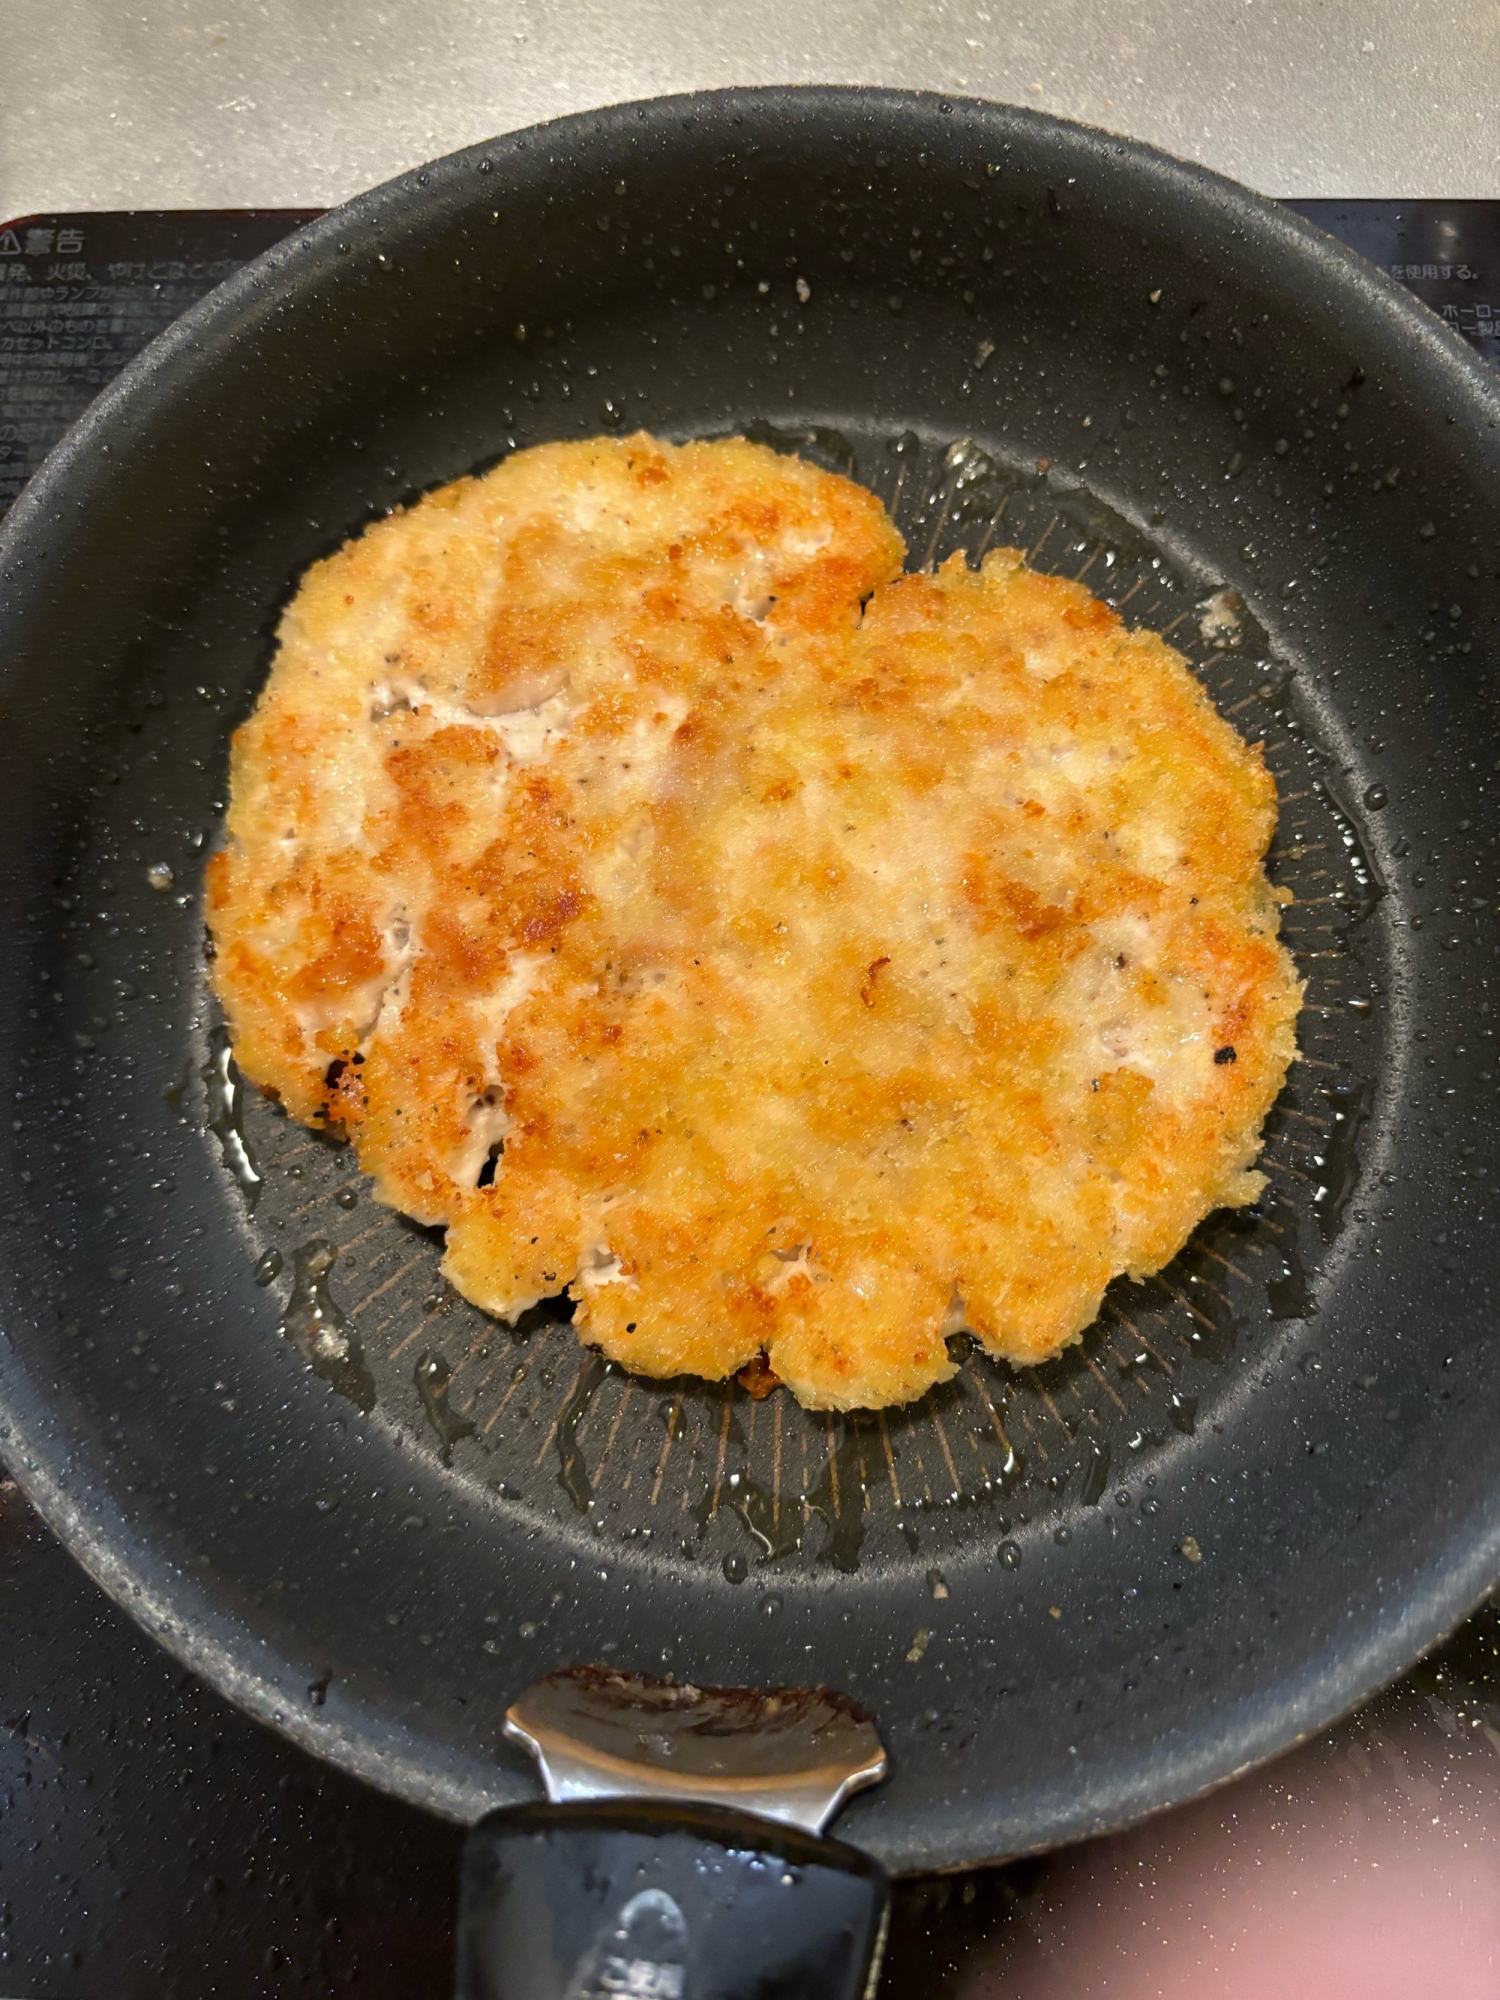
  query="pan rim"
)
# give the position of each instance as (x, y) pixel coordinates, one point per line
(178, 341)
(84, 1513)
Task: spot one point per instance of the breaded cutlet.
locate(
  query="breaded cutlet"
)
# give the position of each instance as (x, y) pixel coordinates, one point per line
(789, 956)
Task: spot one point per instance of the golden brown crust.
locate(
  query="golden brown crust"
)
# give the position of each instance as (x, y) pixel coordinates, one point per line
(840, 956)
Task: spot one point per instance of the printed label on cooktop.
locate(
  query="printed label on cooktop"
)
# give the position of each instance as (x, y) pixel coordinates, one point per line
(81, 294)
(1447, 252)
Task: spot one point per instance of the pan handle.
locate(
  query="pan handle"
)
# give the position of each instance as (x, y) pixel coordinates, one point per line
(634, 1901)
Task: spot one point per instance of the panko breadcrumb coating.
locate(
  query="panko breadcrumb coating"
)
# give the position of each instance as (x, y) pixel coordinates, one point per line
(787, 956)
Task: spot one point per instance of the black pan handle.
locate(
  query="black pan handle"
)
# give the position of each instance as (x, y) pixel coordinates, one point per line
(631, 1901)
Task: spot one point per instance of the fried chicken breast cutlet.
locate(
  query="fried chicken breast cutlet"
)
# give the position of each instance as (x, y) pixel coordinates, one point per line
(785, 955)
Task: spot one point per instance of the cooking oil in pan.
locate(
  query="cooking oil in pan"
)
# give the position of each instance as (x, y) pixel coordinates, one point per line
(756, 1485)
(319, 1330)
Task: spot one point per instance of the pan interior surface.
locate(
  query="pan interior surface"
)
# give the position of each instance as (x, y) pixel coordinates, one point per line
(1266, 1479)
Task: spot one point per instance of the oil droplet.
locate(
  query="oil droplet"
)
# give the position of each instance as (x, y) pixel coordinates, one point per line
(226, 1103)
(736, 1569)
(1377, 797)
(317, 1328)
(839, 1497)
(1183, 1410)
(268, 1267)
(1095, 1470)
(1062, 1536)
(1352, 1103)
(778, 1531)
(572, 1473)
(347, 1198)
(1369, 888)
(317, 1692)
(1289, 1296)
(1010, 1555)
(433, 1376)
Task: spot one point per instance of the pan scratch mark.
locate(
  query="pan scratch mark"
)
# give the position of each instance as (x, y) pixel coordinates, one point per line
(1141, 1341)
(833, 1465)
(667, 1442)
(1168, 630)
(864, 1470)
(1046, 1398)
(900, 486)
(929, 561)
(994, 1413)
(1035, 1437)
(916, 1450)
(1215, 1291)
(476, 1346)
(375, 1229)
(723, 1448)
(1121, 603)
(640, 1439)
(1035, 549)
(989, 533)
(380, 1290)
(308, 1206)
(1079, 575)
(525, 1370)
(557, 1413)
(947, 1454)
(401, 1345)
(478, 1390)
(890, 1463)
(614, 1431)
(1219, 1258)
(1173, 1292)
(776, 1469)
(1098, 1373)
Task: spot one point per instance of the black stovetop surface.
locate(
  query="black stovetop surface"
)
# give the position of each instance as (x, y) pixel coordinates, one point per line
(154, 1841)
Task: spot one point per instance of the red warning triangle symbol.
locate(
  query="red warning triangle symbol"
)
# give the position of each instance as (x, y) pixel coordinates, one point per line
(10, 244)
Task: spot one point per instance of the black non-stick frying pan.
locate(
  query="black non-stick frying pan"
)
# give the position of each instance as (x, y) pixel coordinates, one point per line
(1268, 1478)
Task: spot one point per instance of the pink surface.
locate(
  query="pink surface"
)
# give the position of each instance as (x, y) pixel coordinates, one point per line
(1363, 1867)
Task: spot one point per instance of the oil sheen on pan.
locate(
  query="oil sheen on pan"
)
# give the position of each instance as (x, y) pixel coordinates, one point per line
(797, 960)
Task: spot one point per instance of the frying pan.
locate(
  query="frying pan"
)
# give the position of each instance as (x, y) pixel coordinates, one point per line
(1267, 1479)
